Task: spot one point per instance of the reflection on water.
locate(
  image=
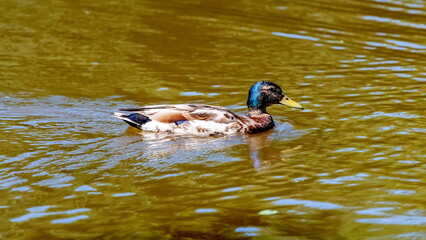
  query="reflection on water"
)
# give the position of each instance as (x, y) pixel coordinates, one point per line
(350, 166)
(263, 151)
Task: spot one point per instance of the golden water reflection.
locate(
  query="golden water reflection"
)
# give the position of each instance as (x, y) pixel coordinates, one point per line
(349, 166)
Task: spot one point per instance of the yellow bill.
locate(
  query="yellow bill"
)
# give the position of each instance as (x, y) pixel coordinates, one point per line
(288, 102)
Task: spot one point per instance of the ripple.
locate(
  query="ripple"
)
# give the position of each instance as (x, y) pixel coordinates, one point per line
(233, 189)
(39, 213)
(296, 36)
(84, 188)
(248, 231)
(401, 192)
(395, 21)
(206, 210)
(162, 89)
(69, 220)
(341, 180)
(39, 208)
(400, 220)
(191, 94)
(394, 115)
(124, 194)
(375, 211)
(12, 181)
(22, 189)
(406, 44)
(308, 203)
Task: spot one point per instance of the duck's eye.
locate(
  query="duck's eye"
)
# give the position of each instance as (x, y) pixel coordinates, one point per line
(287, 98)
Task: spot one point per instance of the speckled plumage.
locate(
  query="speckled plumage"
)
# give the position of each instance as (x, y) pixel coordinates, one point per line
(207, 120)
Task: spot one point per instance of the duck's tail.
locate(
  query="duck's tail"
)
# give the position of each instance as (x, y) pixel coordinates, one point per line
(134, 119)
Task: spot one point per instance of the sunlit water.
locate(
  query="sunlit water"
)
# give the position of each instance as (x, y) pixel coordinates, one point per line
(349, 166)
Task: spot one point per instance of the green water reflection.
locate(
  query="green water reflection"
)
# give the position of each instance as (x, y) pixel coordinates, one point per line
(350, 166)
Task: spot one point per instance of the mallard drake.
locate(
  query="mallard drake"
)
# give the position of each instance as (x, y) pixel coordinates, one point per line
(207, 120)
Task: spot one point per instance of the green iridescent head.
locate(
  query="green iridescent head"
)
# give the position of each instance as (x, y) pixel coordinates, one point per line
(264, 94)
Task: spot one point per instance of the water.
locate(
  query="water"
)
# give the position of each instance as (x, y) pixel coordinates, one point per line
(349, 166)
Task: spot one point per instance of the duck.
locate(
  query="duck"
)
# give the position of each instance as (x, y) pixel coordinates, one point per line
(208, 120)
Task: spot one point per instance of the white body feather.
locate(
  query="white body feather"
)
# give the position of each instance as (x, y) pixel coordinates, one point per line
(192, 127)
(200, 120)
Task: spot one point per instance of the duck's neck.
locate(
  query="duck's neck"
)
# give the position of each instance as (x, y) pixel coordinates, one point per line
(260, 120)
(255, 101)
(253, 112)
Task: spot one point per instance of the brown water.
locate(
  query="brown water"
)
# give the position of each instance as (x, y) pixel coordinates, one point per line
(349, 166)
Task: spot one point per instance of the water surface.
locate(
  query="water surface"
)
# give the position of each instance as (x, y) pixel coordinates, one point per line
(349, 166)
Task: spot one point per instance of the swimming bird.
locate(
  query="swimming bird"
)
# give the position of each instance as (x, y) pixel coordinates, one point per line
(208, 120)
